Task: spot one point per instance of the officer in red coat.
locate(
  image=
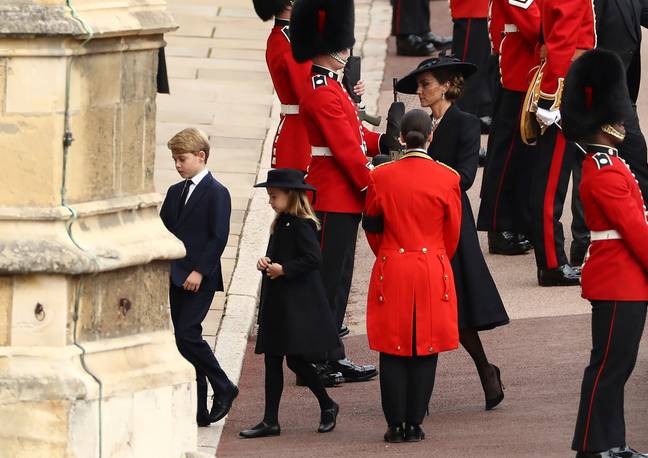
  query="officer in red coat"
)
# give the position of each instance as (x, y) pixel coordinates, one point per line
(322, 31)
(412, 219)
(290, 148)
(568, 30)
(470, 43)
(595, 105)
(505, 211)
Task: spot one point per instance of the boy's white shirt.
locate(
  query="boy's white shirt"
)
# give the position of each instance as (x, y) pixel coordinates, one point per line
(194, 182)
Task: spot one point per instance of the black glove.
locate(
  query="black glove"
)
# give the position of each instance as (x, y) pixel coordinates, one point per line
(389, 141)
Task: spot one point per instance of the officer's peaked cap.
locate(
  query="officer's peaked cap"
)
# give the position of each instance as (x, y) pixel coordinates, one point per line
(267, 9)
(321, 27)
(595, 94)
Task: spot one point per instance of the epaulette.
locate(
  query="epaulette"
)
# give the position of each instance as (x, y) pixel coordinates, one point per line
(319, 81)
(602, 160)
(524, 4)
(286, 31)
(447, 167)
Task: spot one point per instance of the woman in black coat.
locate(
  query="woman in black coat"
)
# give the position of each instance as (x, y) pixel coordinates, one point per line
(455, 142)
(294, 316)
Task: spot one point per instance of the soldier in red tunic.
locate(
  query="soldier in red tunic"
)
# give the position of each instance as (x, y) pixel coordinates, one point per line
(322, 31)
(568, 30)
(505, 211)
(595, 105)
(412, 219)
(290, 148)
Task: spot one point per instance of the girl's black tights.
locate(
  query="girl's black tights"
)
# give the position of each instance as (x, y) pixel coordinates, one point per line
(274, 384)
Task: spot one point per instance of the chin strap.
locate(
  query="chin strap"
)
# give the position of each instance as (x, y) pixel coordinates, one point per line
(339, 59)
(608, 129)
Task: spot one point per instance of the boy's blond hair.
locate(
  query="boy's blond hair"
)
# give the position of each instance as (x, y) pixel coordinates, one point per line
(191, 141)
(299, 205)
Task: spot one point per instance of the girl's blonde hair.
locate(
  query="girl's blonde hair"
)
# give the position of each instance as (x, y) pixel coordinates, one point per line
(298, 205)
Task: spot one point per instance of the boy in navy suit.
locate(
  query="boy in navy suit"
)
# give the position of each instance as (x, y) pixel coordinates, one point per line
(197, 211)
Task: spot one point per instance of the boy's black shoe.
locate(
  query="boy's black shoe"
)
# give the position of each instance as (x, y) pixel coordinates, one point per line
(328, 419)
(507, 243)
(394, 434)
(354, 373)
(223, 405)
(438, 41)
(328, 378)
(202, 418)
(413, 45)
(413, 433)
(261, 430)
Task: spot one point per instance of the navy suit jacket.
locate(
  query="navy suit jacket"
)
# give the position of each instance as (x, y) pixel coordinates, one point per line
(203, 227)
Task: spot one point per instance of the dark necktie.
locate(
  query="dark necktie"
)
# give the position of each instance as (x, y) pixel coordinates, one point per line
(183, 196)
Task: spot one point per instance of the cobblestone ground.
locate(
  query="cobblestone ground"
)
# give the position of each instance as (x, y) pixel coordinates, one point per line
(542, 354)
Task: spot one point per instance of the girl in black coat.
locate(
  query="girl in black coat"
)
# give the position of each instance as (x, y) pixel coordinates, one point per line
(294, 316)
(455, 141)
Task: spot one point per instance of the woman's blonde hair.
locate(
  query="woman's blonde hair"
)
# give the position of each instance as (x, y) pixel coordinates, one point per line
(298, 205)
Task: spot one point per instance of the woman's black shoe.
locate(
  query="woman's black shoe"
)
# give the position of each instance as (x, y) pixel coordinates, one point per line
(328, 419)
(413, 433)
(261, 430)
(491, 403)
(394, 434)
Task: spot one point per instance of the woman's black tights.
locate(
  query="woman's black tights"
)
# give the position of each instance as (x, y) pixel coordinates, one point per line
(470, 340)
(274, 384)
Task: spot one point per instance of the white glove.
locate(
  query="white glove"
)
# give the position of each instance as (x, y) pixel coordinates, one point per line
(547, 117)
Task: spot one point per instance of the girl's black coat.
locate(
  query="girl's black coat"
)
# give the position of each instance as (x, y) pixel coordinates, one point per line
(294, 315)
(456, 143)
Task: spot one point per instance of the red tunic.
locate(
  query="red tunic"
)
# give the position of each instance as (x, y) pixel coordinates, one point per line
(616, 269)
(519, 23)
(420, 203)
(339, 168)
(290, 148)
(460, 9)
(567, 26)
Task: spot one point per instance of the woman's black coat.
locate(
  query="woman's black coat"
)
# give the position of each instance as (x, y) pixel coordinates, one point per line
(455, 142)
(294, 315)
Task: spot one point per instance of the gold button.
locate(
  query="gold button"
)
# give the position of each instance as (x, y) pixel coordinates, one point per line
(431, 350)
(401, 250)
(384, 258)
(381, 278)
(446, 297)
(445, 277)
(442, 257)
(397, 347)
(424, 250)
(380, 298)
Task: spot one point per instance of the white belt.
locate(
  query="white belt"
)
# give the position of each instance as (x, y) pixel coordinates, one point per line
(510, 28)
(320, 151)
(289, 109)
(604, 235)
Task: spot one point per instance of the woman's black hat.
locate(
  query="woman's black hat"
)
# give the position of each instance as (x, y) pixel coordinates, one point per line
(286, 179)
(595, 94)
(408, 84)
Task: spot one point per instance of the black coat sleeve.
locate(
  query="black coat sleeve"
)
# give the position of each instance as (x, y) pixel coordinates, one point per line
(164, 211)
(644, 13)
(467, 152)
(220, 209)
(310, 255)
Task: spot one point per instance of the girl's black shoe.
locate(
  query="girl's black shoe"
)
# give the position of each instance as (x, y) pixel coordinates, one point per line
(394, 434)
(413, 433)
(491, 403)
(261, 430)
(328, 419)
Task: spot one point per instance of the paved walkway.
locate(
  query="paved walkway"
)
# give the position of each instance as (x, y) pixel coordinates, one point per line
(542, 354)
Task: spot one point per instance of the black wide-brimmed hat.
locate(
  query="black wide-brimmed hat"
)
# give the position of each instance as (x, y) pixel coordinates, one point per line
(266, 9)
(286, 179)
(595, 94)
(408, 84)
(321, 27)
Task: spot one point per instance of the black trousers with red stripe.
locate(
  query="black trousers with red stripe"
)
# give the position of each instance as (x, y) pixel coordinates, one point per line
(338, 235)
(616, 333)
(505, 202)
(410, 17)
(471, 43)
(553, 158)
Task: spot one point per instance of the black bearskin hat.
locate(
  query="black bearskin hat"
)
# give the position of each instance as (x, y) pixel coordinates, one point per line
(595, 94)
(321, 27)
(266, 9)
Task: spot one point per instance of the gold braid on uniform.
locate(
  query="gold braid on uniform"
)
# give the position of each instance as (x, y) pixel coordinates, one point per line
(608, 129)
